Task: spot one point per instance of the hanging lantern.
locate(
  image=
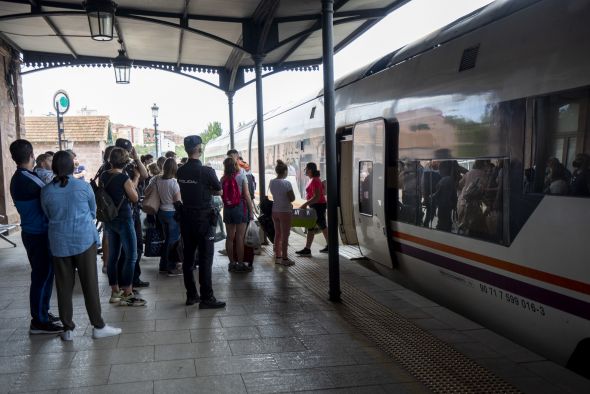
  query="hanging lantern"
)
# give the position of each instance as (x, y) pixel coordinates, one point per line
(122, 65)
(101, 14)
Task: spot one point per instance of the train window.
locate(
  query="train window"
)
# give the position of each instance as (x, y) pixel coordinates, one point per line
(366, 188)
(460, 196)
(559, 144)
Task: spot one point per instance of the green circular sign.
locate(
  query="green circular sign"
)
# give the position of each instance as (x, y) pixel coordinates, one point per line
(61, 102)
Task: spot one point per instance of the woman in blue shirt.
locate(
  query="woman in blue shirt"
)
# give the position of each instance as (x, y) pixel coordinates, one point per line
(71, 209)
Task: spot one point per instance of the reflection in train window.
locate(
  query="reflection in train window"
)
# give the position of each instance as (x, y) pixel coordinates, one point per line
(460, 196)
(366, 188)
(558, 162)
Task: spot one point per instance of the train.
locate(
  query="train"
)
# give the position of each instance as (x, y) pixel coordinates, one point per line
(498, 96)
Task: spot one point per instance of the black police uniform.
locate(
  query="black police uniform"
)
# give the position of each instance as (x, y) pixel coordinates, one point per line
(197, 225)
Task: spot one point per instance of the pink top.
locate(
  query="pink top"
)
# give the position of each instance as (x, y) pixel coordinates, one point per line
(314, 184)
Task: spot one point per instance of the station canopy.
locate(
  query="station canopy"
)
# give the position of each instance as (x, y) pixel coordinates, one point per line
(183, 36)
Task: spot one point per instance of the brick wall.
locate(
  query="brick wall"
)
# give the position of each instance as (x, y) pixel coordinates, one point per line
(89, 153)
(11, 128)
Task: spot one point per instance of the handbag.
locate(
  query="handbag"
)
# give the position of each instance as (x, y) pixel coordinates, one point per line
(252, 238)
(151, 199)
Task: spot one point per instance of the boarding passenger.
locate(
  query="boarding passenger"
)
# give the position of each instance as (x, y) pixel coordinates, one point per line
(170, 155)
(316, 199)
(580, 185)
(197, 225)
(43, 167)
(71, 209)
(25, 189)
(169, 193)
(282, 210)
(237, 208)
(120, 231)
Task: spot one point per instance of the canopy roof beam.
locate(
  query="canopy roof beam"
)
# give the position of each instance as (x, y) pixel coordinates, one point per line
(183, 23)
(36, 8)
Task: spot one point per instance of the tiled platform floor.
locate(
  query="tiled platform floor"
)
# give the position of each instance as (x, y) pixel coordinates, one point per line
(274, 336)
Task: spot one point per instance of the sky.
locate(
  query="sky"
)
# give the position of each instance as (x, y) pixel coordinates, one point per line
(187, 106)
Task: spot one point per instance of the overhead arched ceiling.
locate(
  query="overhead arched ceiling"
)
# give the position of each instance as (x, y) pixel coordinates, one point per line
(220, 36)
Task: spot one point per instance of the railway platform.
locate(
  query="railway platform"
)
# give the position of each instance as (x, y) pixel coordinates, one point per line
(278, 333)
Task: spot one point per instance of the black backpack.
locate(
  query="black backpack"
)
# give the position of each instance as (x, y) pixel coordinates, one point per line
(106, 210)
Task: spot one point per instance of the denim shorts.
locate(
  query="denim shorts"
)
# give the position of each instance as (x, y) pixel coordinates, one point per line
(235, 215)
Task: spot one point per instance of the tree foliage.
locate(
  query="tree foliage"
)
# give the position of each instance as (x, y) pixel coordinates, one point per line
(213, 131)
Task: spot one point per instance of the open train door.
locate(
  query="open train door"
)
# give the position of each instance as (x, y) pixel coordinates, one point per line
(370, 140)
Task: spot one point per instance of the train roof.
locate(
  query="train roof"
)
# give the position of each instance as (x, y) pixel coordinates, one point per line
(490, 13)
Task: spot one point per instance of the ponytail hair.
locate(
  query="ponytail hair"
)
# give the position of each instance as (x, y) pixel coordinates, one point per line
(313, 168)
(62, 167)
(281, 168)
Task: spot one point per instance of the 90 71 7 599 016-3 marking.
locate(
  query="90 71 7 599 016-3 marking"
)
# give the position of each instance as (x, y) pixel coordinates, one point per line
(512, 299)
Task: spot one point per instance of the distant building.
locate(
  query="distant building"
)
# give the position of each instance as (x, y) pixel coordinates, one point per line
(166, 145)
(85, 135)
(132, 133)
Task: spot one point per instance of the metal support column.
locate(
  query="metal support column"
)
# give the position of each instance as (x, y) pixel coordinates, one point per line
(260, 125)
(230, 104)
(330, 132)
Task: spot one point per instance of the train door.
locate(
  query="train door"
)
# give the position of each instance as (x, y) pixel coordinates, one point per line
(369, 189)
(347, 225)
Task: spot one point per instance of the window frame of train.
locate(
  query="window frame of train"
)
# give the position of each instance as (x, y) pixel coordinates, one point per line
(558, 125)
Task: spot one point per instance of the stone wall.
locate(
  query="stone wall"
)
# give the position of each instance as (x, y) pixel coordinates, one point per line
(11, 126)
(89, 153)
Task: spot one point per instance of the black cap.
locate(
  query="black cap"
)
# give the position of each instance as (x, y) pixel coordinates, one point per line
(124, 143)
(191, 142)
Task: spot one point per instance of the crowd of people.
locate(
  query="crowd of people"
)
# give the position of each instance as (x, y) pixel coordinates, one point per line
(60, 210)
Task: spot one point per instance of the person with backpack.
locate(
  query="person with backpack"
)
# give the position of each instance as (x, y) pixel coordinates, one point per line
(120, 229)
(70, 206)
(198, 220)
(237, 208)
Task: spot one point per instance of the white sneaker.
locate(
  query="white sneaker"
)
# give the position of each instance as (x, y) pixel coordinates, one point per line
(106, 331)
(67, 335)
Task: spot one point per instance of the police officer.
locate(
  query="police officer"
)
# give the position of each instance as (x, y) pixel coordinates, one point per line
(197, 186)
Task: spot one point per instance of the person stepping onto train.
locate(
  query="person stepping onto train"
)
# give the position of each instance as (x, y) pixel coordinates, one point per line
(316, 199)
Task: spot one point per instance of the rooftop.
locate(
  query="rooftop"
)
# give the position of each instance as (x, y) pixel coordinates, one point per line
(77, 128)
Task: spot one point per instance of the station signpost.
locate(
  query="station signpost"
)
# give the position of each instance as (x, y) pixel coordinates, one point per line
(61, 104)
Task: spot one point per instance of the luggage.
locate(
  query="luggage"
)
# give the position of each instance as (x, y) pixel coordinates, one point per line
(248, 254)
(154, 241)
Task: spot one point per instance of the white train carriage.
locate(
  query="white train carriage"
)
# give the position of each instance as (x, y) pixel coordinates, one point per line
(501, 90)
